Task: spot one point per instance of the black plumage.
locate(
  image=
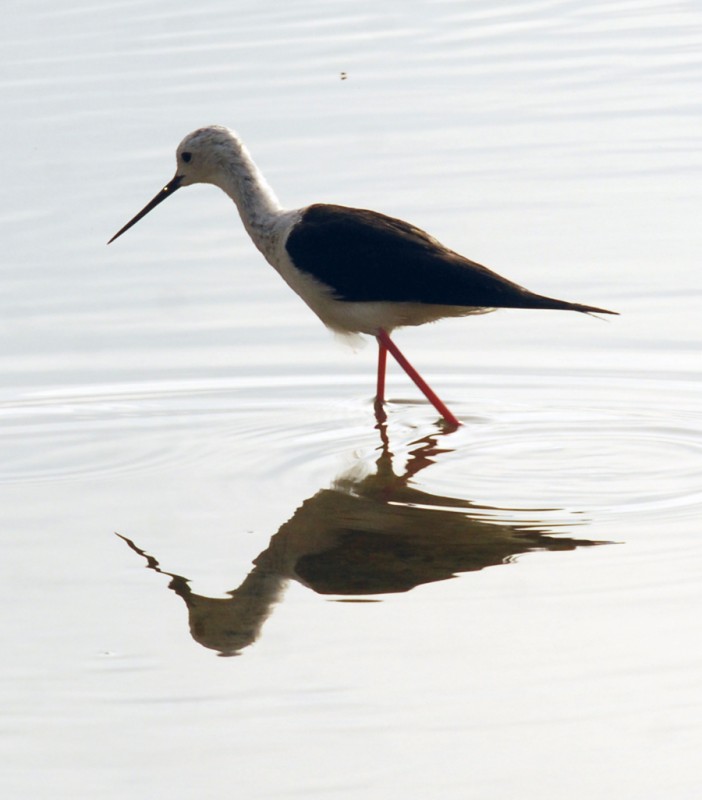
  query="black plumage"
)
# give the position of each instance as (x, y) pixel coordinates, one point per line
(365, 256)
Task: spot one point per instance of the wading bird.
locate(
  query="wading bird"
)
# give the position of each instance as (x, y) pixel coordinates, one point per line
(358, 270)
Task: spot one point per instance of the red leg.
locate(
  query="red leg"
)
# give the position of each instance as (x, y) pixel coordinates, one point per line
(384, 341)
(382, 361)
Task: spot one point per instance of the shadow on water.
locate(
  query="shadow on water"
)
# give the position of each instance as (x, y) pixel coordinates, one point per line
(366, 535)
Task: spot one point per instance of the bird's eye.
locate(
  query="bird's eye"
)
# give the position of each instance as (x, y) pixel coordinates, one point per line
(186, 157)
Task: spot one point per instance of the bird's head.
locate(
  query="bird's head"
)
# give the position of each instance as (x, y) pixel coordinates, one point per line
(204, 154)
(202, 157)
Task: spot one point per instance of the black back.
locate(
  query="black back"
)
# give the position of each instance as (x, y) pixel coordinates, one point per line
(366, 256)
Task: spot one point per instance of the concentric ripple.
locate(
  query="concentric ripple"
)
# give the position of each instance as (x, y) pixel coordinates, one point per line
(595, 442)
(129, 428)
(614, 444)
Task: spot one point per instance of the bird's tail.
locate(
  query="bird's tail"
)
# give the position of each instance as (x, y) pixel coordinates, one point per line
(540, 301)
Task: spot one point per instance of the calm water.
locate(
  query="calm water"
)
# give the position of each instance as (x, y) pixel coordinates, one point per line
(509, 610)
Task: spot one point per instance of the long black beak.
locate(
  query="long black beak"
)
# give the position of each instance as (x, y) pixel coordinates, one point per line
(167, 190)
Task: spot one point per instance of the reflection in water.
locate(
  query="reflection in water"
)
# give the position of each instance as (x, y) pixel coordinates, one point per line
(366, 535)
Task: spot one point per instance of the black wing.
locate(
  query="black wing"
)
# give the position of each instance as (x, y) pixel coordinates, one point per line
(365, 256)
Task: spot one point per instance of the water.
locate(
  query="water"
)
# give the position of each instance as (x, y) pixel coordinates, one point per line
(279, 618)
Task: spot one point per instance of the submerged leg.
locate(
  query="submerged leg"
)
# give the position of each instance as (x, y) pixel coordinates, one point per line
(382, 361)
(380, 415)
(386, 343)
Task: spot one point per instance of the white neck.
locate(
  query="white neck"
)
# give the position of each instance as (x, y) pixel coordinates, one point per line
(258, 206)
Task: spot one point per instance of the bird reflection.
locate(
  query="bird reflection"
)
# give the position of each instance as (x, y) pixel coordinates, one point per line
(369, 534)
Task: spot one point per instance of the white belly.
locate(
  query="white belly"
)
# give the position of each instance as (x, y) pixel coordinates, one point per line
(345, 316)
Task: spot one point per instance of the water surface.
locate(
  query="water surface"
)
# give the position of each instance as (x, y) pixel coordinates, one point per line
(506, 610)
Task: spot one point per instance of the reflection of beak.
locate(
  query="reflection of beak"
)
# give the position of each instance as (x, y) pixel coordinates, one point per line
(167, 190)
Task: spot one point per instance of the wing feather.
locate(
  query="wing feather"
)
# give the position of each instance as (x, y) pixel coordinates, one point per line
(365, 256)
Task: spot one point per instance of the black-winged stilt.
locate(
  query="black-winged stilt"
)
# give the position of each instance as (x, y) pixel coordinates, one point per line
(358, 270)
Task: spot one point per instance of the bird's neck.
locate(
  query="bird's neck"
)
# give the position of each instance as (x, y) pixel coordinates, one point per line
(258, 206)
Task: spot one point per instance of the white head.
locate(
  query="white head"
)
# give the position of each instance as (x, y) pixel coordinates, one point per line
(207, 154)
(213, 155)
